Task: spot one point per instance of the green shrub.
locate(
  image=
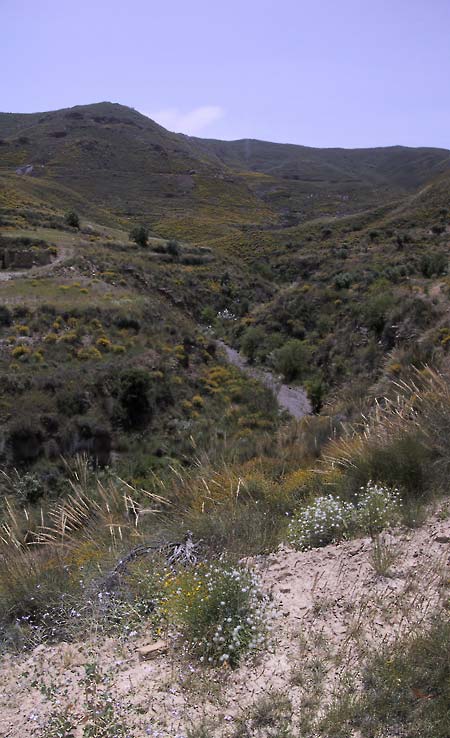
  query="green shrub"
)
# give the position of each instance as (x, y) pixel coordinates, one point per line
(377, 508)
(32, 588)
(5, 316)
(376, 309)
(134, 397)
(173, 248)
(316, 393)
(250, 527)
(219, 611)
(322, 521)
(139, 234)
(25, 439)
(343, 280)
(252, 342)
(292, 360)
(434, 264)
(72, 219)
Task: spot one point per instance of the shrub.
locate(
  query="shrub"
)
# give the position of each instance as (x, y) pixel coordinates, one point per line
(292, 359)
(21, 352)
(173, 248)
(68, 337)
(208, 315)
(401, 461)
(123, 322)
(22, 330)
(72, 219)
(28, 587)
(377, 508)
(134, 397)
(28, 488)
(139, 234)
(316, 392)
(343, 281)
(103, 343)
(323, 521)
(434, 264)
(198, 401)
(219, 611)
(252, 341)
(88, 353)
(5, 316)
(376, 309)
(26, 441)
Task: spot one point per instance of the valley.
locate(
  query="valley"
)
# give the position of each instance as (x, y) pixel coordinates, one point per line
(241, 346)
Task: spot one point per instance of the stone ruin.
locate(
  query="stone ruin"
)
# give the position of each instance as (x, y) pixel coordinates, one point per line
(23, 258)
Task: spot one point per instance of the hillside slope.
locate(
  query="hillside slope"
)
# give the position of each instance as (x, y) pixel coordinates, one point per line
(131, 167)
(128, 165)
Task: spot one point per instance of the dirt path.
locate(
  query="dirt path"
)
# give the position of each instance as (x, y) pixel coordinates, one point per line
(292, 399)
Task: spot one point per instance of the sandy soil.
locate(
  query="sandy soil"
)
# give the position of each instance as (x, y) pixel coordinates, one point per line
(330, 607)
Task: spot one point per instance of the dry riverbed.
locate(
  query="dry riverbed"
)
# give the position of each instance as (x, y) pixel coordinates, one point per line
(292, 399)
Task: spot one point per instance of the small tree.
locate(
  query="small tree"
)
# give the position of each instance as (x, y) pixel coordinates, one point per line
(72, 219)
(292, 360)
(135, 397)
(139, 234)
(252, 342)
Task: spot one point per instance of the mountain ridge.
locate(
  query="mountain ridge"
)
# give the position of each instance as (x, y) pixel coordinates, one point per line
(120, 161)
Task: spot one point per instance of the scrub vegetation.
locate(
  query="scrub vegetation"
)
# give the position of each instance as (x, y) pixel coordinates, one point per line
(150, 491)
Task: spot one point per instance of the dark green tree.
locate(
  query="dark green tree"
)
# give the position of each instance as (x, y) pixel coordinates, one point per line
(292, 360)
(139, 234)
(252, 342)
(72, 219)
(134, 397)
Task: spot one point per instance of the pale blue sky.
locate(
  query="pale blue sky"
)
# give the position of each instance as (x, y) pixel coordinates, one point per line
(319, 73)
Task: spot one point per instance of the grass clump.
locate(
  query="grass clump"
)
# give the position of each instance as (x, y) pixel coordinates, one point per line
(382, 556)
(270, 716)
(218, 610)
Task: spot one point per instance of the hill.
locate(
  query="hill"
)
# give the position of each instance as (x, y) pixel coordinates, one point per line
(217, 359)
(125, 166)
(338, 257)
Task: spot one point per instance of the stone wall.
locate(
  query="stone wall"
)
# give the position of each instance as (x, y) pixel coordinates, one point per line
(23, 258)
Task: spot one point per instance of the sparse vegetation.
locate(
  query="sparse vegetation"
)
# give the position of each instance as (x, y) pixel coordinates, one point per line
(220, 611)
(125, 433)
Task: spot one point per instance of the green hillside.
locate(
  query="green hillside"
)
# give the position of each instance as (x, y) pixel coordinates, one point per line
(334, 260)
(217, 358)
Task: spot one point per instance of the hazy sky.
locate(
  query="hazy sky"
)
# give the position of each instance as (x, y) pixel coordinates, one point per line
(316, 72)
